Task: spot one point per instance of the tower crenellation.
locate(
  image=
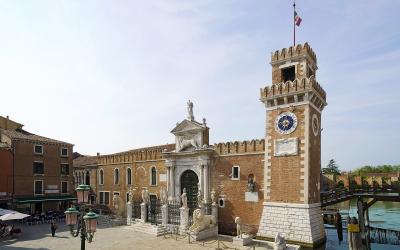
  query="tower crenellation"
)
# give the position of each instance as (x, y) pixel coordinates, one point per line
(293, 52)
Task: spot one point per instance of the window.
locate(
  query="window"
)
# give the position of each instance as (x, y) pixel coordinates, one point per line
(64, 152)
(38, 188)
(116, 176)
(38, 167)
(64, 187)
(288, 74)
(153, 181)
(101, 177)
(64, 169)
(87, 178)
(128, 176)
(235, 173)
(221, 202)
(104, 198)
(38, 149)
(127, 197)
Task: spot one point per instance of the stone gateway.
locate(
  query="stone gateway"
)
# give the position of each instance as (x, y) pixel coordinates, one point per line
(241, 178)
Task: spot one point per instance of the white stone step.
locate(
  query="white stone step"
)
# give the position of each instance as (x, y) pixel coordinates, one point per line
(148, 228)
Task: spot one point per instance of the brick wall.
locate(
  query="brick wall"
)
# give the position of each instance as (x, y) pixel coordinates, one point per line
(24, 158)
(286, 171)
(234, 190)
(6, 180)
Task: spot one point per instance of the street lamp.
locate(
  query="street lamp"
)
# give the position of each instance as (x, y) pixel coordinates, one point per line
(86, 224)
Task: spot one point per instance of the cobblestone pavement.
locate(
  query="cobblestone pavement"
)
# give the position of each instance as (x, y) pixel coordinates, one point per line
(39, 237)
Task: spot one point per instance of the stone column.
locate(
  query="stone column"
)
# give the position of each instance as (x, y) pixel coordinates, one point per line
(172, 171)
(143, 212)
(168, 181)
(201, 181)
(164, 214)
(206, 185)
(128, 212)
(184, 213)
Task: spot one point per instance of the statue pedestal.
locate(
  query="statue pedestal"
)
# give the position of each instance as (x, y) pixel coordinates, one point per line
(128, 212)
(184, 213)
(143, 212)
(164, 214)
(205, 234)
(214, 211)
(243, 241)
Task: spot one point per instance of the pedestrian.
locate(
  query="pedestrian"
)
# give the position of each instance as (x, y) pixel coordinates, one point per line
(339, 226)
(53, 228)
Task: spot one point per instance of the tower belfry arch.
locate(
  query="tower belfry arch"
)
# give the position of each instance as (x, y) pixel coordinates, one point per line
(294, 104)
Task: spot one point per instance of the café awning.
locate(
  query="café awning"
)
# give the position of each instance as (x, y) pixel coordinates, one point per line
(44, 199)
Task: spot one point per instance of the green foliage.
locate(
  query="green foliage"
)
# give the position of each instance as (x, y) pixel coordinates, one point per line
(377, 169)
(331, 168)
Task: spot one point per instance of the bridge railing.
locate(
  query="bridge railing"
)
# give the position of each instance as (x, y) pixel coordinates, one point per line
(384, 236)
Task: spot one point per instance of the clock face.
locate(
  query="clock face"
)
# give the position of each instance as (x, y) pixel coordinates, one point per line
(315, 124)
(286, 123)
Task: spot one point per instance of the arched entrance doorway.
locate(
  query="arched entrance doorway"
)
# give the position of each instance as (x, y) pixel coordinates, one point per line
(189, 180)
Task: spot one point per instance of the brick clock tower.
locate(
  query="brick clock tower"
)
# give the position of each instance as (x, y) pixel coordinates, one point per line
(294, 104)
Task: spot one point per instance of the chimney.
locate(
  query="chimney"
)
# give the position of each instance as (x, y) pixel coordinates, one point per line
(7, 120)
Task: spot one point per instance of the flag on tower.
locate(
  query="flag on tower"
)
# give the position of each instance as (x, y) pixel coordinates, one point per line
(297, 19)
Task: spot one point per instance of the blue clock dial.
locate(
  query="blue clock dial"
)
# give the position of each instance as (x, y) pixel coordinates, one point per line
(286, 123)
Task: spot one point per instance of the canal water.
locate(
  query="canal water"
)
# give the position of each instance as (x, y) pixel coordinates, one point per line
(381, 214)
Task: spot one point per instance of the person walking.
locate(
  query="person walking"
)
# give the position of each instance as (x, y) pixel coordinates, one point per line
(53, 228)
(339, 226)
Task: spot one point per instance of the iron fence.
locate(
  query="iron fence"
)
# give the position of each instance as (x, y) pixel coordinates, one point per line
(136, 211)
(174, 216)
(207, 209)
(154, 215)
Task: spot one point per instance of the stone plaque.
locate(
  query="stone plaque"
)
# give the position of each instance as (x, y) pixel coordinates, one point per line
(286, 147)
(163, 177)
(251, 196)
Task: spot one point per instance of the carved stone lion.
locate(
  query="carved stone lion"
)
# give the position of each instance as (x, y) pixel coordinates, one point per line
(186, 143)
(201, 221)
(239, 229)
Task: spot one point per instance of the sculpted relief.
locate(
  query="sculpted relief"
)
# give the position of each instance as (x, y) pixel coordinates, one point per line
(187, 142)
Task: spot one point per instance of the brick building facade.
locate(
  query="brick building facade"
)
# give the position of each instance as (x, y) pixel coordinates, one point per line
(42, 169)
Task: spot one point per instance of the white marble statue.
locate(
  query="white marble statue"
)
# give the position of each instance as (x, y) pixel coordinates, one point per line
(190, 110)
(239, 230)
(163, 195)
(184, 198)
(201, 221)
(145, 196)
(199, 198)
(130, 195)
(280, 242)
(213, 197)
(116, 201)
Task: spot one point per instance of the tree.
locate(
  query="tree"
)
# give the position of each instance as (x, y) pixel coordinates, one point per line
(331, 168)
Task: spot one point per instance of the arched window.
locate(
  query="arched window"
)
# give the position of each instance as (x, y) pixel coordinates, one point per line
(116, 176)
(87, 176)
(153, 180)
(101, 177)
(128, 176)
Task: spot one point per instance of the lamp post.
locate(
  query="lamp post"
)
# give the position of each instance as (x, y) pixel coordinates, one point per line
(86, 224)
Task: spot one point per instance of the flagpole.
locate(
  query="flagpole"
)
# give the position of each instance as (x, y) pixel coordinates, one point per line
(294, 24)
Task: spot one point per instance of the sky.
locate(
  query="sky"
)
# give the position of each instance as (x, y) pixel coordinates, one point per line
(111, 76)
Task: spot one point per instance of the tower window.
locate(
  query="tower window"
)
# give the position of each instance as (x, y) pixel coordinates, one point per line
(288, 74)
